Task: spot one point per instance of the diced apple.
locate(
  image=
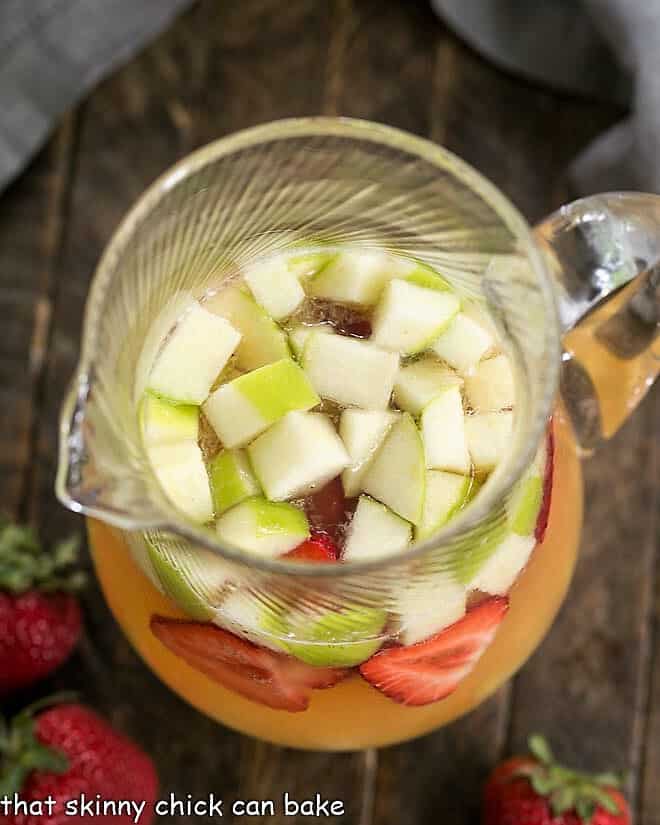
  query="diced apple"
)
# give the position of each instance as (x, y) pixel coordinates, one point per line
(164, 423)
(443, 431)
(427, 606)
(299, 453)
(488, 437)
(241, 409)
(263, 527)
(409, 318)
(192, 356)
(242, 613)
(375, 531)
(420, 382)
(353, 278)
(299, 335)
(349, 371)
(446, 493)
(181, 471)
(396, 476)
(526, 498)
(193, 577)
(463, 344)
(262, 341)
(426, 277)
(491, 385)
(470, 555)
(232, 479)
(308, 264)
(499, 572)
(274, 287)
(362, 432)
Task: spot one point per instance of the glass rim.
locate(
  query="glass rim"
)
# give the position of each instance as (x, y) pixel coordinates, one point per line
(509, 470)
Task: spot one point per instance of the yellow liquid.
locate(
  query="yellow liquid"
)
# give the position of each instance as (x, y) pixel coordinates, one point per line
(353, 715)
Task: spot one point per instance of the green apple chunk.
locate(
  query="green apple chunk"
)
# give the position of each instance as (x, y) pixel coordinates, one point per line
(193, 577)
(339, 639)
(503, 566)
(362, 432)
(232, 479)
(299, 453)
(473, 552)
(262, 341)
(299, 335)
(397, 476)
(164, 423)
(488, 438)
(524, 504)
(427, 278)
(263, 527)
(351, 372)
(353, 278)
(420, 382)
(446, 493)
(192, 356)
(181, 471)
(491, 386)
(274, 287)
(242, 613)
(308, 264)
(464, 343)
(443, 430)
(241, 409)
(409, 318)
(428, 605)
(374, 532)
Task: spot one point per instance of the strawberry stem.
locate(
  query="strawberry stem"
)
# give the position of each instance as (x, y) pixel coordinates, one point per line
(25, 565)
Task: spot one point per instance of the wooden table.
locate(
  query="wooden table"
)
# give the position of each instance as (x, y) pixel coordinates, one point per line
(594, 685)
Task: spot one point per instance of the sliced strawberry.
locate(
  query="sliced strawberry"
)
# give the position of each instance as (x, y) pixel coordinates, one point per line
(317, 548)
(261, 675)
(429, 671)
(544, 512)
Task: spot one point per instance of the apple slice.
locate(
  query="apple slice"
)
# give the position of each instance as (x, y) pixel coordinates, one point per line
(241, 409)
(336, 639)
(299, 335)
(374, 532)
(464, 343)
(308, 264)
(491, 386)
(181, 471)
(420, 382)
(232, 479)
(446, 493)
(396, 476)
(488, 437)
(424, 276)
(428, 605)
(353, 278)
(164, 423)
(263, 527)
(299, 453)
(526, 498)
(194, 578)
(274, 287)
(362, 432)
(409, 318)
(349, 371)
(503, 566)
(241, 612)
(443, 431)
(262, 341)
(192, 356)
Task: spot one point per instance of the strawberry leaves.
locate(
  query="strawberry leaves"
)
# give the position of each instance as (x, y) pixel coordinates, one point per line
(567, 790)
(25, 565)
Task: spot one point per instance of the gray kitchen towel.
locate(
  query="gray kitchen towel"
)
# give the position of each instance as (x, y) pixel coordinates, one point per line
(53, 51)
(606, 48)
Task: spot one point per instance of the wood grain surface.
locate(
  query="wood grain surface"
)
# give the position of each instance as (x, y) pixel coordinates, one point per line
(594, 685)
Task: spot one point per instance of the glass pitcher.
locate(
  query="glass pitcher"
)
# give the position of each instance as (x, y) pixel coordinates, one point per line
(324, 181)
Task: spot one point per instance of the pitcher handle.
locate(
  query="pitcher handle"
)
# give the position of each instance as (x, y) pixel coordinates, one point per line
(604, 254)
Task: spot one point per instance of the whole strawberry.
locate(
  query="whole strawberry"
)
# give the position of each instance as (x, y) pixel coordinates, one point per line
(39, 615)
(68, 754)
(536, 790)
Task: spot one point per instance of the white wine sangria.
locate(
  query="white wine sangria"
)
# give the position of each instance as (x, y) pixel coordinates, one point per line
(330, 471)
(331, 407)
